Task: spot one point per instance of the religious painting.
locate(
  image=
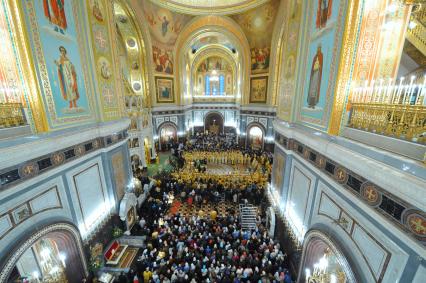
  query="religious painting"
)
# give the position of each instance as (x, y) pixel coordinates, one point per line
(163, 60)
(260, 59)
(278, 171)
(214, 63)
(321, 66)
(258, 89)
(120, 175)
(324, 11)
(104, 68)
(315, 79)
(58, 48)
(131, 218)
(97, 10)
(258, 24)
(164, 26)
(164, 87)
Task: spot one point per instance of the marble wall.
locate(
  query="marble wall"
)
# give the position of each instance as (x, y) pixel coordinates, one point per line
(82, 190)
(377, 249)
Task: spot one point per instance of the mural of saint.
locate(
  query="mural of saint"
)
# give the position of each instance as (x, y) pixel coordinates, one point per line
(323, 13)
(67, 79)
(164, 25)
(315, 79)
(96, 11)
(54, 10)
(163, 60)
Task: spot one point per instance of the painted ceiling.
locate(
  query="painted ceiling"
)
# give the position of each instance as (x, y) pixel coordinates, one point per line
(165, 25)
(197, 7)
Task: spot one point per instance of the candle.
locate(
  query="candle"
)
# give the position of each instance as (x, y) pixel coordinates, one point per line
(379, 98)
(421, 91)
(407, 90)
(364, 95)
(400, 87)
(412, 88)
(389, 92)
(371, 94)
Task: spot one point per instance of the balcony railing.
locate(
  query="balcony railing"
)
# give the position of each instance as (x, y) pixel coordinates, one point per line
(12, 115)
(393, 110)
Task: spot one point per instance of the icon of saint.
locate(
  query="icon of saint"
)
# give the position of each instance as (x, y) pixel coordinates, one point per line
(67, 78)
(54, 10)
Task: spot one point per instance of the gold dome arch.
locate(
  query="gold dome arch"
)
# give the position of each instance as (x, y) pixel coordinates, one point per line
(208, 25)
(209, 7)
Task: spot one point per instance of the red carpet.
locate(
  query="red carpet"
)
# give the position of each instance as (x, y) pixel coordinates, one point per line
(175, 207)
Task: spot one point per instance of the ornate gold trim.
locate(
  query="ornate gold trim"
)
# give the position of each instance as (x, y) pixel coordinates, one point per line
(347, 58)
(39, 120)
(209, 10)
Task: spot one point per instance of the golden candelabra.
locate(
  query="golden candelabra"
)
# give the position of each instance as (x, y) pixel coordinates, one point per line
(11, 115)
(396, 120)
(391, 109)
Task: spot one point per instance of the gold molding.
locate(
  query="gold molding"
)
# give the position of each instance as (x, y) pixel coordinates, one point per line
(344, 74)
(21, 39)
(217, 9)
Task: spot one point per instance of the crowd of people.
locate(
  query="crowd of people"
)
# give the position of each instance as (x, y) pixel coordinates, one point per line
(206, 247)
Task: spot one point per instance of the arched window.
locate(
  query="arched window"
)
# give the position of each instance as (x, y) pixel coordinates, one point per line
(222, 85)
(207, 86)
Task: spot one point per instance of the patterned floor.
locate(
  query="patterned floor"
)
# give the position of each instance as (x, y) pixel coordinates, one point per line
(223, 208)
(224, 169)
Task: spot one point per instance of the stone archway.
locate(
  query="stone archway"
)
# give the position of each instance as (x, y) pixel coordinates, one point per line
(167, 132)
(322, 254)
(68, 241)
(255, 136)
(214, 123)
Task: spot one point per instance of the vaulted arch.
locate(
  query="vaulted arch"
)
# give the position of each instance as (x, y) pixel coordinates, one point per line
(239, 47)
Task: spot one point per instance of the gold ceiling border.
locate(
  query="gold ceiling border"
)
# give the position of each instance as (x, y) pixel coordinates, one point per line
(38, 119)
(347, 58)
(219, 24)
(208, 10)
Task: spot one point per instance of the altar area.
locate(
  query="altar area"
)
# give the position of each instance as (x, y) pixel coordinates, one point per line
(229, 168)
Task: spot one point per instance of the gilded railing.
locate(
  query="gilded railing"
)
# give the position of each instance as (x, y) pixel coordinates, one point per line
(11, 115)
(393, 110)
(417, 35)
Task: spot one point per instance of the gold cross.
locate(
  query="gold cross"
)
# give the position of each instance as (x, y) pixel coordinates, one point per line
(371, 193)
(28, 169)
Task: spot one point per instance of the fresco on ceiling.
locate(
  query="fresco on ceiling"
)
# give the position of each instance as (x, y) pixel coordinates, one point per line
(258, 25)
(320, 69)
(290, 42)
(164, 27)
(213, 63)
(55, 36)
(213, 39)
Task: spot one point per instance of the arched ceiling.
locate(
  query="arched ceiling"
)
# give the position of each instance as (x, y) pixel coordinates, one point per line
(203, 7)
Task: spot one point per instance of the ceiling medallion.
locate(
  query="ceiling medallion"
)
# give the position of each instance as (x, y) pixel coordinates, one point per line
(203, 7)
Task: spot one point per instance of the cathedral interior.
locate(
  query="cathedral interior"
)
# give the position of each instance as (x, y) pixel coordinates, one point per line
(213, 141)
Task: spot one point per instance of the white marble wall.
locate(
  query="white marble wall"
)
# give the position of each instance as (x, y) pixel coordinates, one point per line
(374, 245)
